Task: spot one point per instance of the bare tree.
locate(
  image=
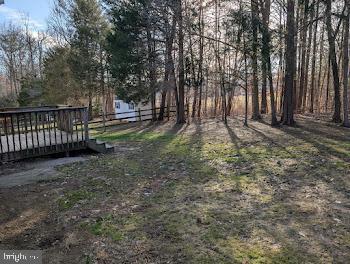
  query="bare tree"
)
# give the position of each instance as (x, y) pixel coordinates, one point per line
(288, 111)
(333, 58)
(255, 88)
(180, 92)
(346, 65)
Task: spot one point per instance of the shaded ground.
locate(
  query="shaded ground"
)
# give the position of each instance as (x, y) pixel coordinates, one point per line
(33, 171)
(198, 193)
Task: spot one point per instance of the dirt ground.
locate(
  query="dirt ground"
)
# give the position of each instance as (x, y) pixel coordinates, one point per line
(204, 192)
(33, 171)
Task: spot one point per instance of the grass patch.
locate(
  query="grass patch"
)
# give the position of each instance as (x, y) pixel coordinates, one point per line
(259, 253)
(106, 227)
(73, 197)
(117, 228)
(134, 136)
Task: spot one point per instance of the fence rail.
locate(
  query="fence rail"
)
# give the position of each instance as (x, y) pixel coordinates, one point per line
(135, 115)
(30, 132)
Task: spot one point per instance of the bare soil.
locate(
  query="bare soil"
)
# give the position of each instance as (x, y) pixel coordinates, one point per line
(33, 171)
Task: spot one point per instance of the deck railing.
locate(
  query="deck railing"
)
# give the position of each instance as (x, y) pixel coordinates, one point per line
(29, 132)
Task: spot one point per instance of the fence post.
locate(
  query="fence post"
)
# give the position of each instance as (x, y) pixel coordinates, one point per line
(86, 124)
(139, 110)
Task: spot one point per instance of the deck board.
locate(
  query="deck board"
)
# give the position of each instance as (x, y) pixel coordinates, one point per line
(30, 141)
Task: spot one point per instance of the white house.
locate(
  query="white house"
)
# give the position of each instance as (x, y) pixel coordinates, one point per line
(131, 111)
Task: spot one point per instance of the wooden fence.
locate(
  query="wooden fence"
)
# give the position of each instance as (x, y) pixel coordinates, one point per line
(30, 132)
(133, 116)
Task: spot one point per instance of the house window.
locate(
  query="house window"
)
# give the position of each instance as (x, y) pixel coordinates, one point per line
(117, 105)
(131, 106)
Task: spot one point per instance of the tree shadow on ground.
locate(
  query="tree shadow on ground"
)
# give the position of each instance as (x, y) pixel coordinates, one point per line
(320, 141)
(171, 202)
(283, 210)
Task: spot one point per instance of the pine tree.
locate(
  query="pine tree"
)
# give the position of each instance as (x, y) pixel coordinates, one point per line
(90, 28)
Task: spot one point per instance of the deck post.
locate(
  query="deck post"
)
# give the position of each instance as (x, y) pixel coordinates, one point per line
(86, 124)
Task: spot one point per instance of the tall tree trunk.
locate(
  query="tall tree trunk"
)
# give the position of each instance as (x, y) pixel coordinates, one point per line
(90, 105)
(169, 104)
(152, 71)
(327, 85)
(307, 63)
(255, 88)
(201, 52)
(181, 90)
(229, 102)
(193, 78)
(346, 66)
(333, 56)
(266, 56)
(288, 113)
(303, 57)
(165, 88)
(313, 67)
(162, 105)
(298, 50)
(263, 108)
(102, 87)
(319, 87)
(191, 68)
(206, 92)
(216, 58)
(274, 121)
(280, 79)
(223, 93)
(169, 78)
(245, 83)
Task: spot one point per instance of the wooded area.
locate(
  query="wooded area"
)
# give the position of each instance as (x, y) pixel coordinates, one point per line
(247, 155)
(220, 57)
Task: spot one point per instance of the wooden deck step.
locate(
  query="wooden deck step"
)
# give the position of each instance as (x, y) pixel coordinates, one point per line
(100, 146)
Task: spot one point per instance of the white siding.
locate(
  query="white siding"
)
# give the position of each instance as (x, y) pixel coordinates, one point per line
(121, 107)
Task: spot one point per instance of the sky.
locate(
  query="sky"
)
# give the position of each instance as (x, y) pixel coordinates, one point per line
(36, 10)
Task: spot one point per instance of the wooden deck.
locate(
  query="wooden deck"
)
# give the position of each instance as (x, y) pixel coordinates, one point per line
(31, 132)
